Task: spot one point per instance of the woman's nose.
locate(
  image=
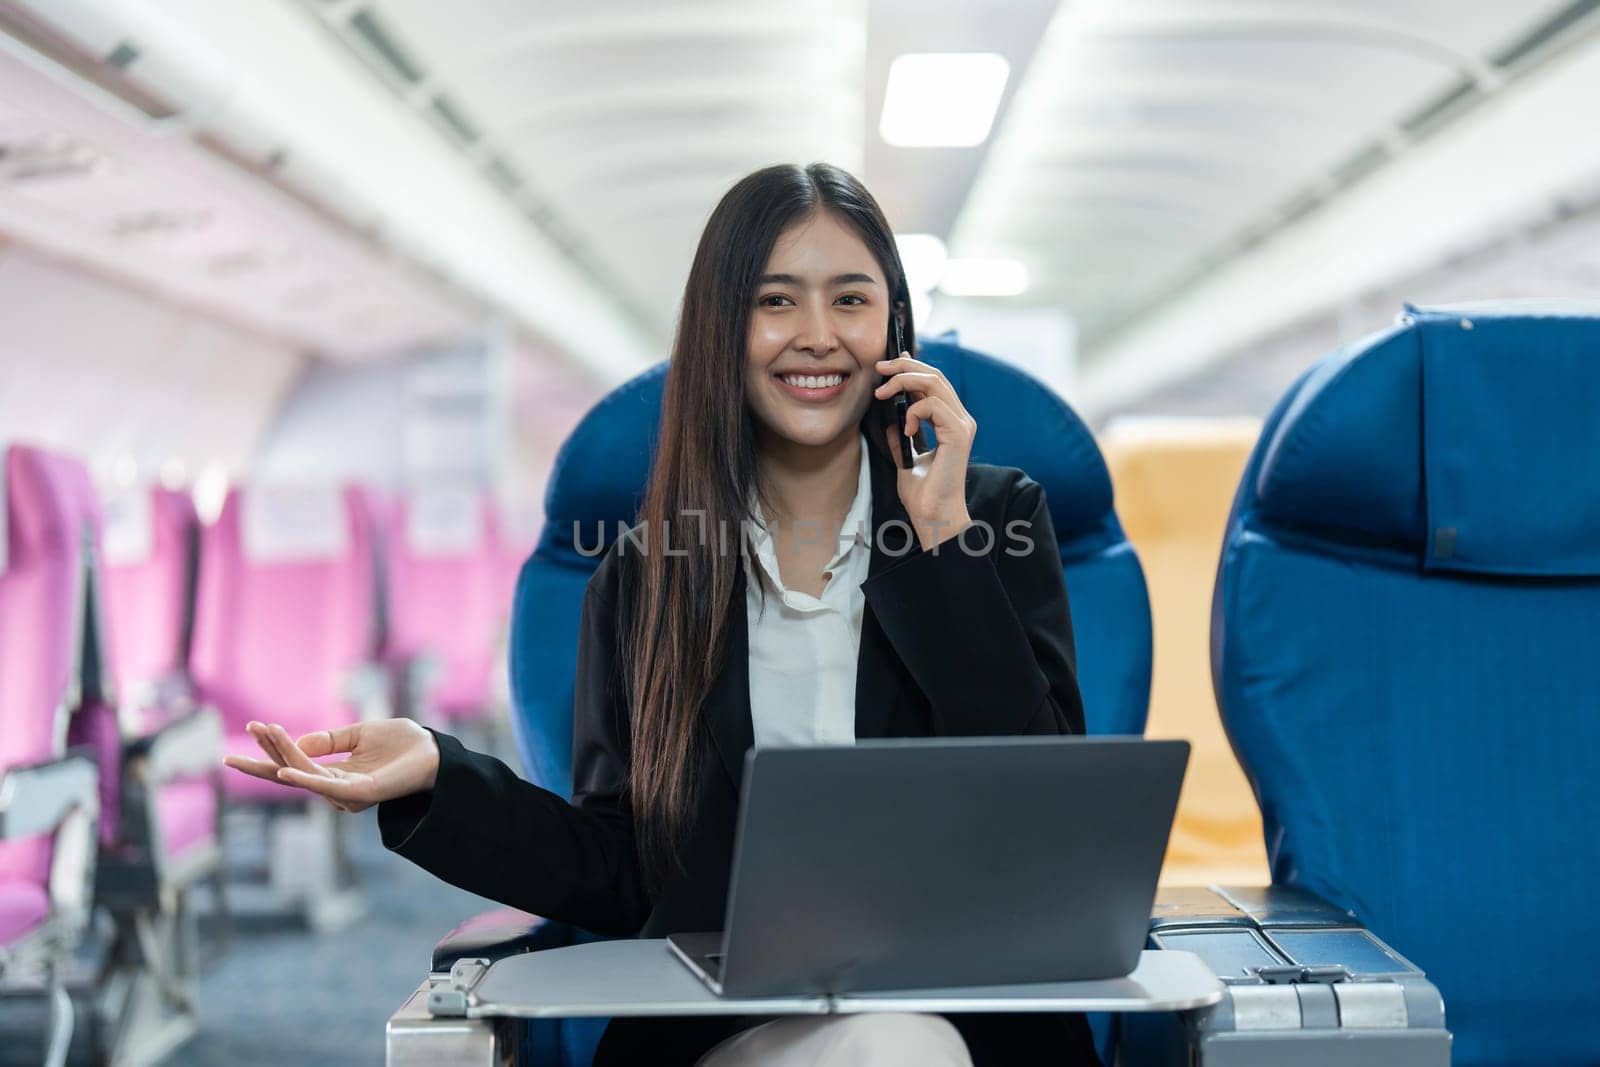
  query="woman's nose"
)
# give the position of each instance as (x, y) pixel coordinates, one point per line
(817, 335)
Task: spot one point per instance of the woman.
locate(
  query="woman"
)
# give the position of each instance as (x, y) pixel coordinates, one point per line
(868, 600)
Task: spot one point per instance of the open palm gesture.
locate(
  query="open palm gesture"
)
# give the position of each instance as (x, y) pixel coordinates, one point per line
(389, 758)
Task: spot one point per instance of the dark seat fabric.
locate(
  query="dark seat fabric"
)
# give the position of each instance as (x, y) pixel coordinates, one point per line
(1402, 649)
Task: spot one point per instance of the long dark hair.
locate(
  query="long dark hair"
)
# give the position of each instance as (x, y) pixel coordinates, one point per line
(676, 639)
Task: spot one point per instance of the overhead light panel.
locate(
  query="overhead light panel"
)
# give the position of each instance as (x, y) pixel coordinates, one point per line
(923, 256)
(942, 99)
(984, 277)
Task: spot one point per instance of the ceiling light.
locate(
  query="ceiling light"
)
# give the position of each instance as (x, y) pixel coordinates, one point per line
(923, 256)
(942, 99)
(984, 277)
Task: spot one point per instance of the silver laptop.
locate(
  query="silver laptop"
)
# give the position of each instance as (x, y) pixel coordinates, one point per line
(941, 862)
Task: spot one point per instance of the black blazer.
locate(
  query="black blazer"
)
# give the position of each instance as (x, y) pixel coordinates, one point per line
(952, 643)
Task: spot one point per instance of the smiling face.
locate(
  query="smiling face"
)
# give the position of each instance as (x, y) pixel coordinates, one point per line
(819, 324)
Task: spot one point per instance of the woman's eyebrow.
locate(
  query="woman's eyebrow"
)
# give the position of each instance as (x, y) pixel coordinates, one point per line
(841, 279)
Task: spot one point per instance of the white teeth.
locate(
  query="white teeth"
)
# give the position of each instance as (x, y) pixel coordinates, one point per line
(814, 381)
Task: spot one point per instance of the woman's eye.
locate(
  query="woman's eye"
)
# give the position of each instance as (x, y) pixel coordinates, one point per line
(852, 296)
(765, 301)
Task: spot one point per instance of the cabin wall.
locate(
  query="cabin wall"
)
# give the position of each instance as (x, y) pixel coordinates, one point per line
(139, 387)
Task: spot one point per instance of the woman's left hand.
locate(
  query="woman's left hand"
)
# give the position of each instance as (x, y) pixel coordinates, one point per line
(934, 490)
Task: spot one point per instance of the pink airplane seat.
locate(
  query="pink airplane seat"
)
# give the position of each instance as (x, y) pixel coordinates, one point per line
(48, 800)
(284, 616)
(41, 596)
(158, 830)
(149, 543)
(82, 595)
(447, 596)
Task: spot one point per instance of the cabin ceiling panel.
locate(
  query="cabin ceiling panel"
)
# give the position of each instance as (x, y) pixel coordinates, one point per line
(94, 368)
(88, 179)
(628, 120)
(1153, 139)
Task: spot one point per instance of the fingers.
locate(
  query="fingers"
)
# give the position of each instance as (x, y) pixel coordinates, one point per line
(291, 751)
(948, 423)
(263, 736)
(918, 379)
(917, 383)
(256, 767)
(905, 364)
(327, 742)
(269, 771)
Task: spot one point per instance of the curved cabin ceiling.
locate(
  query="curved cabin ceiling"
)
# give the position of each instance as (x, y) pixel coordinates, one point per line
(564, 157)
(1145, 140)
(1153, 140)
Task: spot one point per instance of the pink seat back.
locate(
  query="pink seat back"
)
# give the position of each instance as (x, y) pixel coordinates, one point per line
(446, 594)
(148, 596)
(48, 506)
(275, 638)
(149, 552)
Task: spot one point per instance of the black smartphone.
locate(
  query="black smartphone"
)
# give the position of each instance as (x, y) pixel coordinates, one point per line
(901, 401)
(922, 441)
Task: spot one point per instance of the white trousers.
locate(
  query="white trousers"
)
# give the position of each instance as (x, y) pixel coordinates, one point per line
(872, 1039)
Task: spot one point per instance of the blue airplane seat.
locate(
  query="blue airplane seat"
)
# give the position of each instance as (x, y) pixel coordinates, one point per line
(599, 479)
(1403, 653)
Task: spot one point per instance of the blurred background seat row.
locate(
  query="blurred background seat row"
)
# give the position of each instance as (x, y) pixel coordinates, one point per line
(137, 645)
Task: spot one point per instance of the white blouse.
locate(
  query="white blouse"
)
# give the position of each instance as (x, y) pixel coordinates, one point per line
(803, 649)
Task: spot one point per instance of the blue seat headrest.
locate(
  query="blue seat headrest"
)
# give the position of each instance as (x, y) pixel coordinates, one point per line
(600, 474)
(1458, 441)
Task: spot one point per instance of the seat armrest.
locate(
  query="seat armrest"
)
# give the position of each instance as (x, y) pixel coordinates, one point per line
(189, 746)
(1281, 906)
(493, 935)
(1276, 935)
(38, 798)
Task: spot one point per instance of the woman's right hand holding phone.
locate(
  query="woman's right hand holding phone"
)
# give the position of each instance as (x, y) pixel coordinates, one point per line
(389, 758)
